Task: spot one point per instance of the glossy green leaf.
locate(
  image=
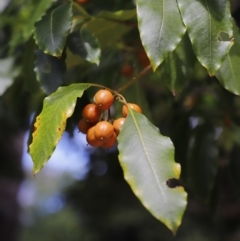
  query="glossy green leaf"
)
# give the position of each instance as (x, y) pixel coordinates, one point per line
(160, 27)
(202, 161)
(27, 15)
(84, 44)
(147, 159)
(50, 71)
(75, 44)
(51, 31)
(38, 9)
(51, 122)
(107, 32)
(229, 73)
(205, 20)
(122, 15)
(91, 46)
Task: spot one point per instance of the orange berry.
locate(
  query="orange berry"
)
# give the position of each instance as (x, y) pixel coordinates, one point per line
(103, 130)
(91, 113)
(84, 126)
(111, 141)
(117, 124)
(127, 70)
(103, 99)
(91, 138)
(131, 105)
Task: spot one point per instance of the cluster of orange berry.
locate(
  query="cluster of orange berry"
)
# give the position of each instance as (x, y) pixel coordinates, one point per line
(100, 132)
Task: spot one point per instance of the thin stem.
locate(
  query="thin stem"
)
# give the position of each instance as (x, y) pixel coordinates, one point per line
(104, 87)
(134, 79)
(80, 9)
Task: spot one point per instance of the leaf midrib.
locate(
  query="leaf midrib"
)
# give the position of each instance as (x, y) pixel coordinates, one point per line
(210, 30)
(49, 129)
(148, 158)
(161, 28)
(51, 27)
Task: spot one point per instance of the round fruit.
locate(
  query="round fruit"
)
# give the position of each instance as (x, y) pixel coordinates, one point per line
(103, 130)
(111, 141)
(117, 124)
(103, 99)
(127, 70)
(91, 113)
(131, 105)
(91, 138)
(84, 126)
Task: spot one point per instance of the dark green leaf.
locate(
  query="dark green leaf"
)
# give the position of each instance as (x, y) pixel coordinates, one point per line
(91, 46)
(50, 71)
(160, 27)
(147, 159)
(51, 122)
(75, 44)
(52, 29)
(38, 9)
(29, 12)
(205, 20)
(202, 161)
(178, 67)
(229, 73)
(84, 44)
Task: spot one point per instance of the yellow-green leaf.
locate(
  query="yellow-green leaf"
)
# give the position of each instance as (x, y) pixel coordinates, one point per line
(147, 159)
(51, 123)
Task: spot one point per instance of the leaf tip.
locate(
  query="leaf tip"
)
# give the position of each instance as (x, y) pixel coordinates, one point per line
(35, 170)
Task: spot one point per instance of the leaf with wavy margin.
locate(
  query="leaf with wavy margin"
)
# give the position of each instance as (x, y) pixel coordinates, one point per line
(39, 8)
(51, 123)
(205, 20)
(51, 31)
(147, 159)
(161, 28)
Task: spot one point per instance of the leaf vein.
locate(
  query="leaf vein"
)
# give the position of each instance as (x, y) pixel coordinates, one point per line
(148, 158)
(51, 27)
(210, 30)
(161, 28)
